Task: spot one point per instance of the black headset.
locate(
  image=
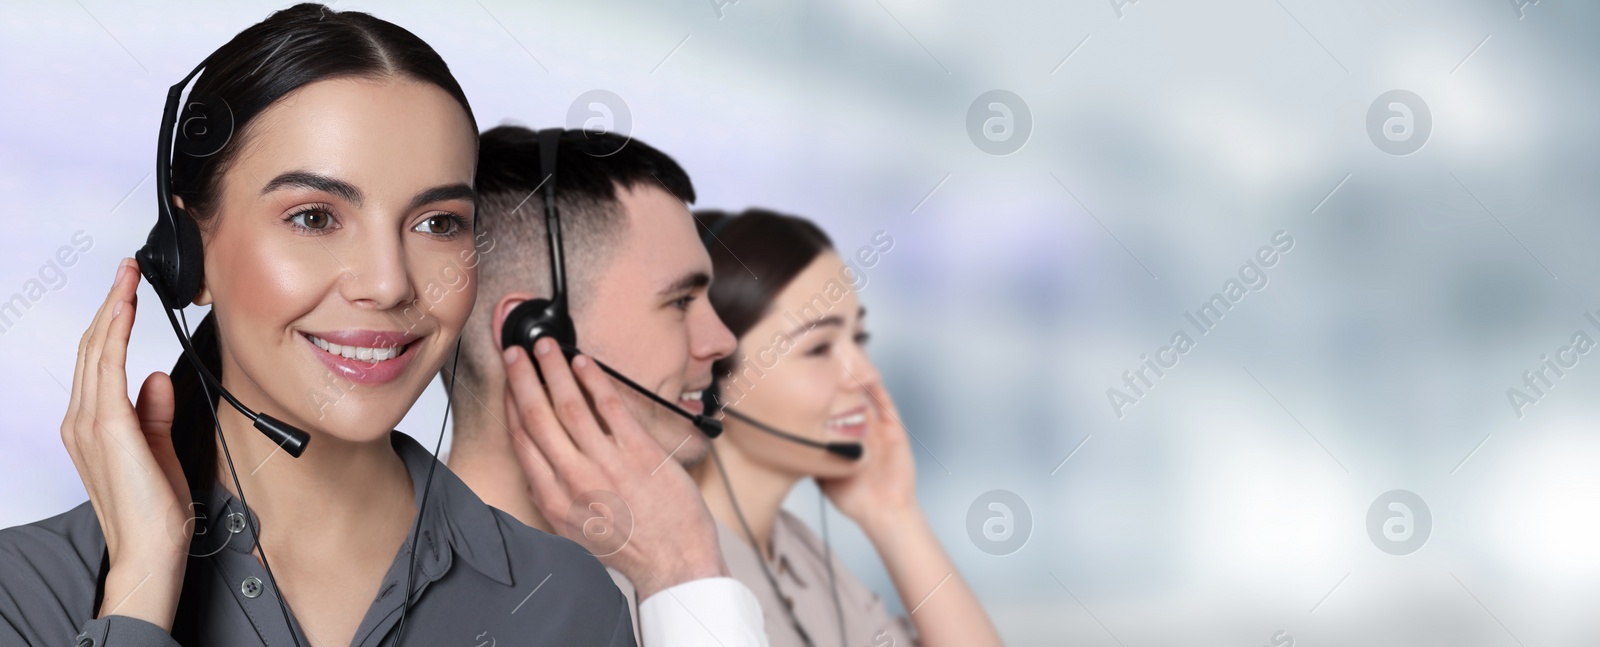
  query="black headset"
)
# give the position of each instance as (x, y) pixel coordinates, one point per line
(713, 398)
(536, 318)
(172, 260)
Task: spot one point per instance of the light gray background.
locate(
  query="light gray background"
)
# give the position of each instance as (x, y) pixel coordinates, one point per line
(1230, 504)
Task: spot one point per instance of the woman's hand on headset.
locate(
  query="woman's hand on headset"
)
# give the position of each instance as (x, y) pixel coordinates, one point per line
(124, 455)
(603, 481)
(881, 497)
(883, 491)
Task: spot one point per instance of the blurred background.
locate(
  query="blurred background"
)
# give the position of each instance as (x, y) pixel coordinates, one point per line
(1341, 458)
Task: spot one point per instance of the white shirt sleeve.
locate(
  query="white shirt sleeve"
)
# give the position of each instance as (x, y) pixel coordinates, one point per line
(710, 612)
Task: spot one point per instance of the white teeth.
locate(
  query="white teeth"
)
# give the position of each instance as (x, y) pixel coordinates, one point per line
(357, 352)
(846, 421)
(692, 396)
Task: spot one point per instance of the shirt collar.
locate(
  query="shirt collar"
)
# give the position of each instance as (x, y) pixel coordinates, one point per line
(785, 546)
(783, 566)
(455, 517)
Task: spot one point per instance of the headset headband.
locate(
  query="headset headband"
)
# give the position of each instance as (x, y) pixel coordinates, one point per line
(549, 140)
(200, 127)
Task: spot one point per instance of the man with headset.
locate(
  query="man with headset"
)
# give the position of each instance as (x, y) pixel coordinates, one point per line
(622, 294)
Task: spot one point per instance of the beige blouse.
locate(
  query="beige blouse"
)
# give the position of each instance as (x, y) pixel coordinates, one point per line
(802, 574)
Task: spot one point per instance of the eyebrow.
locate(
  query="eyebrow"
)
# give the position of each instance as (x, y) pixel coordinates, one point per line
(349, 193)
(830, 320)
(689, 281)
(444, 193)
(316, 182)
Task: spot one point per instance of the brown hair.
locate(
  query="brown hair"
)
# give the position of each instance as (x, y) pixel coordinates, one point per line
(754, 256)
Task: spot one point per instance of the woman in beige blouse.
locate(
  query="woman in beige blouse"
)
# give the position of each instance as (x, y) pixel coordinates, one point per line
(800, 382)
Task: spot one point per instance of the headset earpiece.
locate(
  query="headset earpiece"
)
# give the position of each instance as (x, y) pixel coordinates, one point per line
(536, 318)
(171, 260)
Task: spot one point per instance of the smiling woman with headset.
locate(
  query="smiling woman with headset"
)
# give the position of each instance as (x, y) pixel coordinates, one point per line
(315, 190)
(802, 400)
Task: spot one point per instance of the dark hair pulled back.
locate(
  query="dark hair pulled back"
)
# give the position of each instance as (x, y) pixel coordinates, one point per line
(754, 255)
(292, 48)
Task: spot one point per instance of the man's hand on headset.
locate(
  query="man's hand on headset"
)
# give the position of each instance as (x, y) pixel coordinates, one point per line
(603, 481)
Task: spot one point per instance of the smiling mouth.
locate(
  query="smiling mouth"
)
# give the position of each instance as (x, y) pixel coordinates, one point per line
(361, 353)
(849, 420)
(691, 401)
(852, 423)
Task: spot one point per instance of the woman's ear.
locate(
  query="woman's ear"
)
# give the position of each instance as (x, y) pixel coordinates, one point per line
(502, 310)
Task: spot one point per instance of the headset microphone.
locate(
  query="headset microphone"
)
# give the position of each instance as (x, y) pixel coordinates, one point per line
(852, 451)
(711, 427)
(292, 439)
(536, 318)
(171, 257)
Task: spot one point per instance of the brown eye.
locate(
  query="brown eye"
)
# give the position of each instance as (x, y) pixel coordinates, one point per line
(313, 219)
(440, 225)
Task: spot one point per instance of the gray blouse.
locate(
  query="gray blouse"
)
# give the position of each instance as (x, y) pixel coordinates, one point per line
(481, 577)
(801, 568)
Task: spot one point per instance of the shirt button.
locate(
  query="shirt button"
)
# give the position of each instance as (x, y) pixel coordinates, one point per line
(251, 587)
(236, 523)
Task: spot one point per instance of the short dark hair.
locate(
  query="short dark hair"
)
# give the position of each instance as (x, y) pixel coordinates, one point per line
(514, 248)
